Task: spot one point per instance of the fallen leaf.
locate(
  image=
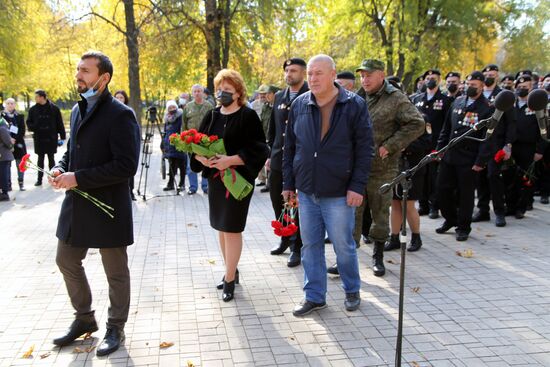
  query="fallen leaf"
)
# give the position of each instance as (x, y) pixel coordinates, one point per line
(392, 262)
(415, 289)
(468, 253)
(87, 336)
(489, 235)
(45, 355)
(89, 349)
(164, 345)
(77, 350)
(212, 261)
(28, 353)
(190, 364)
(414, 364)
(191, 225)
(291, 338)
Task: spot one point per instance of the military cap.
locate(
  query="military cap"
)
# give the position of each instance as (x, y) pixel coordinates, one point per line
(524, 72)
(490, 67)
(345, 75)
(432, 72)
(523, 78)
(452, 74)
(476, 75)
(370, 65)
(508, 77)
(273, 89)
(546, 76)
(420, 78)
(294, 61)
(264, 88)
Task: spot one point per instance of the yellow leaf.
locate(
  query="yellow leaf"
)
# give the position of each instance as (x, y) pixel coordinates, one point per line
(89, 349)
(212, 261)
(468, 253)
(77, 350)
(164, 345)
(190, 364)
(28, 353)
(414, 364)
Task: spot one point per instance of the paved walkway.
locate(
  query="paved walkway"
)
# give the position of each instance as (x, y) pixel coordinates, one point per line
(491, 309)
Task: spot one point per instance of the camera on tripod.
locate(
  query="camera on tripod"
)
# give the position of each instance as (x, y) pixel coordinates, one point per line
(152, 114)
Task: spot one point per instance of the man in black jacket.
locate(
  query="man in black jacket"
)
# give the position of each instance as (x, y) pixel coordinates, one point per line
(101, 156)
(460, 165)
(46, 123)
(294, 69)
(16, 122)
(327, 157)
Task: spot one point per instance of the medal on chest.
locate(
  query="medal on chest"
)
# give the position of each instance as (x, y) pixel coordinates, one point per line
(428, 128)
(470, 119)
(438, 105)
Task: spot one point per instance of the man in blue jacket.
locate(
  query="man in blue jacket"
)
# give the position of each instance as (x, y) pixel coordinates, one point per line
(326, 159)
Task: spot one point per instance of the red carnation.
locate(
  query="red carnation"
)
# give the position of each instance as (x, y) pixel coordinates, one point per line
(192, 131)
(23, 163)
(213, 138)
(189, 139)
(276, 224)
(499, 156)
(197, 138)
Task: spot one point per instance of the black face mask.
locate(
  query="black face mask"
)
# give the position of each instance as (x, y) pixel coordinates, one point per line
(546, 87)
(507, 87)
(471, 91)
(225, 98)
(452, 88)
(431, 84)
(522, 92)
(489, 81)
(423, 88)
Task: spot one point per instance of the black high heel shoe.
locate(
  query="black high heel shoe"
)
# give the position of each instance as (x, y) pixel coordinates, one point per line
(220, 284)
(228, 290)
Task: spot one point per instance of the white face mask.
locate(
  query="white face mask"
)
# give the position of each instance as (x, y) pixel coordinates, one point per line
(91, 91)
(182, 101)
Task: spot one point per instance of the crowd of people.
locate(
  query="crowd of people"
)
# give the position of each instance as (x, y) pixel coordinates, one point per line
(323, 143)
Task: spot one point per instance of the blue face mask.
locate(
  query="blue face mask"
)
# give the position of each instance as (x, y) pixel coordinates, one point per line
(91, 91)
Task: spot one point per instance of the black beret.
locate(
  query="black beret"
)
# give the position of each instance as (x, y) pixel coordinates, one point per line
(432, 72)
(452, 73)
(294, 61)
(523, 78)
(509, 77)
(490, 67)
(345, 75)
(524, 72)
(420, 78)
(547, 76)
(476, 75)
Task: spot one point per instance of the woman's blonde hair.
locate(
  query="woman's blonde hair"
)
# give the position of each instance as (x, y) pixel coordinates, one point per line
(235, 79)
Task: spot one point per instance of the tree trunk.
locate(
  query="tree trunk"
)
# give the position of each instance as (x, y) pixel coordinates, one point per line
(133, 58)
(213, 38)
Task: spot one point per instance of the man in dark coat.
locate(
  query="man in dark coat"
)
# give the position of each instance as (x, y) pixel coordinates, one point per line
(46, 123)
(102, 154)
(295, 72)
(16, 122)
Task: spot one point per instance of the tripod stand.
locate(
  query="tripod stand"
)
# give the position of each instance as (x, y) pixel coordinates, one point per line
(147, 150)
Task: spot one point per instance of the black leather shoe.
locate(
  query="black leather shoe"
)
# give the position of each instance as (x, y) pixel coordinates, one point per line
(294, 259)
(368, 240)
(264, 189)
(281, 248)
(111, 342)
(481, 217)
(77, 328)
(393, 243)
(38, 183)
(519, 214)
(307, 307)
(168, 188)
(228, 291)
(352, 302)
(378, 267)
(22, 188)
(434, 214)
(333, 270)
(444, 227)
(462, 235)
(327, 241)
(416, 243)
(500, 221)
(260, 184)
(220, 284)
(4, 196)
(544, 199)
(529, 207)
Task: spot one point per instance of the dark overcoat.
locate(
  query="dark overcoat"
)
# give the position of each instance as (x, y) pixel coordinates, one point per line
(46, 123)
(103, 152)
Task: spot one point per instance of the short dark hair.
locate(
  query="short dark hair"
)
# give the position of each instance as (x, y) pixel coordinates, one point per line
(40, 92)
(126, 99)
(104, 64)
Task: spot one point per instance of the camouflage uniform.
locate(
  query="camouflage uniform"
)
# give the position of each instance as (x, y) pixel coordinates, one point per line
(396, 123)
(193, 114)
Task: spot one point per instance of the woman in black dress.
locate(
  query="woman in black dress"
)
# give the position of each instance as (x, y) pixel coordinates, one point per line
(247, 151)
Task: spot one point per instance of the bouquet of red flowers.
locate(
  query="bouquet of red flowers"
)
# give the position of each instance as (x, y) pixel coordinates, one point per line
(499, 156)
(192, 141)
(528, 178)
(285, 226)
(26, 163)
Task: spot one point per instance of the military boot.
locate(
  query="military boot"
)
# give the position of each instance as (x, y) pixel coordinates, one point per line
(378, 259)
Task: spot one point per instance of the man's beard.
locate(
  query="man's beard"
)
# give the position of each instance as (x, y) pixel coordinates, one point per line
(292, 82)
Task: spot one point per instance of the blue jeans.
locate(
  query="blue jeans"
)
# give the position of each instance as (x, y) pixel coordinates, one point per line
(193, 179)
(334, 216)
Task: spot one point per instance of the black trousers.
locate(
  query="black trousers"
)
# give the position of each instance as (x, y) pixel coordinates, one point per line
(490, 186)
(456, 186)
(275, 183)
(176, 164)
(40, 163)
(523, 155)
(429, 192)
